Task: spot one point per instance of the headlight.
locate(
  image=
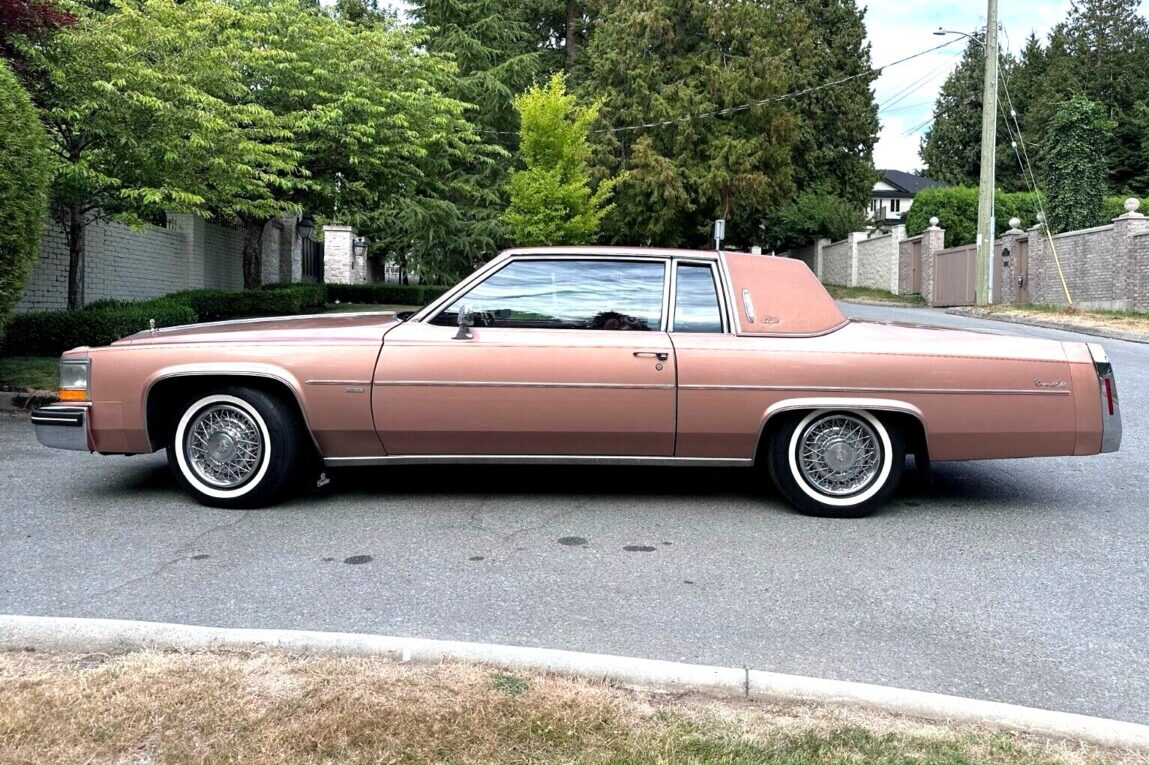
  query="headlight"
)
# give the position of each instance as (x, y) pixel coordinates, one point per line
(74, 379)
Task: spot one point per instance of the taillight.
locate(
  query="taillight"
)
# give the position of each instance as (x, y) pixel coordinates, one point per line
(1109, 394)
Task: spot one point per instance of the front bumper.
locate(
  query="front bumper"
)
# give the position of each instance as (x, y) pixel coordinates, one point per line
(62, 426)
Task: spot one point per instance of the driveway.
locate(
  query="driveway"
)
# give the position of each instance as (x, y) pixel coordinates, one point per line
(1024, 581)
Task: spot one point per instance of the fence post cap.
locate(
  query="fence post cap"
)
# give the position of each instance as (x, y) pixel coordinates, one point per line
(1131, 204)
(1014, 222)
(934, 222)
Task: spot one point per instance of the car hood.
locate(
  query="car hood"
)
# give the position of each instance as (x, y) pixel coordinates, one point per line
(322, 327)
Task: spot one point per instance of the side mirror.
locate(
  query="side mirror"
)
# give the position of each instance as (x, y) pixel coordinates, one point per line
(466, 321)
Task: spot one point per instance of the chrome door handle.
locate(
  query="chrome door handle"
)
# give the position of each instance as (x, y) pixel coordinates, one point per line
(651, 355)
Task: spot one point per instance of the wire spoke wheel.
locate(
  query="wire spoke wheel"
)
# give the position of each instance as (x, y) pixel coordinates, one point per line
(224, 446)
(839, 455)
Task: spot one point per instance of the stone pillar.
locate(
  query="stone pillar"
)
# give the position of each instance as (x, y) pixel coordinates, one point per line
(933, 240)
(853, 240)
(340, 264)
(1125, 260)
(1041, 269)
(1006, 286)
(819, 244)
(290, 250)
(897, 236)
(192, 228)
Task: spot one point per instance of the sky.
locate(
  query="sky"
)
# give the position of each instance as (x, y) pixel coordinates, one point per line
(906, 93)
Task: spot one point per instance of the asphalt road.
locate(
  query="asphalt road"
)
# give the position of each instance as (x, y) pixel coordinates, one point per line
(1023, 581)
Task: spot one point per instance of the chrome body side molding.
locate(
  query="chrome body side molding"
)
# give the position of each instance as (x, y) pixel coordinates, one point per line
(535, 459)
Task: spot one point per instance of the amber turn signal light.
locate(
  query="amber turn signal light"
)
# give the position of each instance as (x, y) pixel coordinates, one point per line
(73, 395)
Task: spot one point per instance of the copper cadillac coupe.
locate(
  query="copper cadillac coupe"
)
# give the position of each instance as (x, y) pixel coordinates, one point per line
(590, 355)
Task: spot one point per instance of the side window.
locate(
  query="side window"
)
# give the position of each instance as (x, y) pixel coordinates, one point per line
(696, 307)
(566, 294)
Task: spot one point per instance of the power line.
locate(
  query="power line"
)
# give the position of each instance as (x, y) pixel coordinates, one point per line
(772, 99)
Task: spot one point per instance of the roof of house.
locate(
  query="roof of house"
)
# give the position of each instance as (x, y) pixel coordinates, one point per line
(907, 182)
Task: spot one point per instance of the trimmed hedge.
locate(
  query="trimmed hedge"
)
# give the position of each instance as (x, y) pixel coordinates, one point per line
(956, 210)
(382, 292)
(50, 333)
(220, 305)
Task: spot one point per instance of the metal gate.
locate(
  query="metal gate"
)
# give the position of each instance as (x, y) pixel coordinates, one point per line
(312, 257)
(954, 275)
(1021, 269)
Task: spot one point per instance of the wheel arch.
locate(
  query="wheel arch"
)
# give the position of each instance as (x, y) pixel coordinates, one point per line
(164, 392)
(901, 414)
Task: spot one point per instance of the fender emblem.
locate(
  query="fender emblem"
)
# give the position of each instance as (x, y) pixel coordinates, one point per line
(771, 320)
(1049, 383)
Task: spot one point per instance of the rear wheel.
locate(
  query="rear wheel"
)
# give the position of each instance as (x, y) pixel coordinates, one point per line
(836, 463)
(237, 447)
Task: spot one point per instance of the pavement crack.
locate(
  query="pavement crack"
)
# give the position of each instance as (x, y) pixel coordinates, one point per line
(181, 550)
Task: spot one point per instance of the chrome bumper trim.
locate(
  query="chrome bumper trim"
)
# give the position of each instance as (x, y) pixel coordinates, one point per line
(1107, 382)
(62, 427)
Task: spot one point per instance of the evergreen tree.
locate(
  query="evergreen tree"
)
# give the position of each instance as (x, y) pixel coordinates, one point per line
(839, 125)
(551, 200)
(459, 226)
(951, 147)
(655, 60)
(1075, 151)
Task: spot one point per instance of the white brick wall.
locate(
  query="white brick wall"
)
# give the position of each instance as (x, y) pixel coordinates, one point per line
(137, 264)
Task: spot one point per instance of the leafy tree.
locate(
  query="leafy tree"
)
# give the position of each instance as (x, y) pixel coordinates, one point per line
(657, 61)
(811, 216)
(551, 200)
(838, 126)
(136, 103)
(1076, 173)
(23, 188)
(28, 20)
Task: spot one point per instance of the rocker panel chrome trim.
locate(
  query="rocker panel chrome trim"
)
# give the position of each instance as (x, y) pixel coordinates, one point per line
(534, 459)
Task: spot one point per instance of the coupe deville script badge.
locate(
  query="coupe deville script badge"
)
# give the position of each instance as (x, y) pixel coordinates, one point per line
(771, 320)
(1049, 384)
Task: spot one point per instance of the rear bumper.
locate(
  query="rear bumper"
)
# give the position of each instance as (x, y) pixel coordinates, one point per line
(62, 426)
(1110, 406)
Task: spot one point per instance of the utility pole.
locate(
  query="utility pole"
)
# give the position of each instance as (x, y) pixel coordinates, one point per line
(985, 209)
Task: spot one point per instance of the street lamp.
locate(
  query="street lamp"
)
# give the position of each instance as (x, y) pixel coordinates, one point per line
(359, 246)
(305, 226)
(943, 32)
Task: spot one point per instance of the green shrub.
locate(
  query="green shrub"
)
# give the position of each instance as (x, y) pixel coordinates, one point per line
(50, 333)
(220, 305)
(385, 293)
(956, 211)
(24, 173)
(1113, 206)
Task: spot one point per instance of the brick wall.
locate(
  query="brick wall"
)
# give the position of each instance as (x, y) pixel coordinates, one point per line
(836, 262)
(878, 261)
(1104, 267)
(127, 263)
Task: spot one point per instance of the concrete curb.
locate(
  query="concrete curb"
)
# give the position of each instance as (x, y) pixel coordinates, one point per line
(113, 635)
(23, 401)
(1112, 334)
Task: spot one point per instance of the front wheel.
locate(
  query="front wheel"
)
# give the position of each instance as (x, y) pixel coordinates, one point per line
(237, 447)
(836, 463)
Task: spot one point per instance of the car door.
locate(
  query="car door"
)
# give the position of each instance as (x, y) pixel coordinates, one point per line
(569, 356)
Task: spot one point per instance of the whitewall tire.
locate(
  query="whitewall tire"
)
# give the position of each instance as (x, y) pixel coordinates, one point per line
(236, 447)
(836, 463)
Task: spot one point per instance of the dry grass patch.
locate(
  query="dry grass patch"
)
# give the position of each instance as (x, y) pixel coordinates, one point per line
(234, 707)
(1123, 321)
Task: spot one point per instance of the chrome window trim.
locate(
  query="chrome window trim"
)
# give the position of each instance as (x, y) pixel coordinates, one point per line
(536, 459)
(507, 384)
(432, 311)
(718, 292)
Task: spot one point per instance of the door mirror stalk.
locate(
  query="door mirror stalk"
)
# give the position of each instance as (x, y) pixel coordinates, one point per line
(466, 321)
